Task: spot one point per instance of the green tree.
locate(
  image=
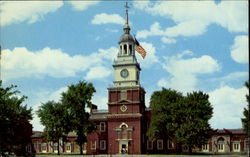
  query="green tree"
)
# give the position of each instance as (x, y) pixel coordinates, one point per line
(77, 99)
(191, 120)
(16, 131)
(54, 117)
(182, 119)
(162, 104)
(246, 121)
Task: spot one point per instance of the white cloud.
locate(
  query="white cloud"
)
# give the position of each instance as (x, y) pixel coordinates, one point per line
(187, 28)
(155, 29)
(30, 11)
(43, 97)
(168, 40)
(239, 50)
(193, 17)
(21, 62)
(228, 104)
(109, 54)
(82, 5)
(104, 18)
(98, 72)
(231, 78)
(184, 72)
(150, 58)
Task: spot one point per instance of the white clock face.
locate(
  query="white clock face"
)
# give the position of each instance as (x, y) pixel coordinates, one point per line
(124, 73)
(123, 108)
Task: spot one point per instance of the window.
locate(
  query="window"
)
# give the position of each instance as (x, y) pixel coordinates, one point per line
(120, 49)
(236, 146)
(220, 144)
(55, 147)
(102, 126)
(28, 148)
(170, 144)
(221, 147)
(68, 147)
(130, 49)
(123, 95)
(160, 144)
(93, 145)
(44, 147)
(102, 144)
(125, 49)
(205, 147)
(150, 145)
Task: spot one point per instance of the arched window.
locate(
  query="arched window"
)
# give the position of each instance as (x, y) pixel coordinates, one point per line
(130, 49)
(125, 49)
(120, 49)
(221, 144)
(124, 132)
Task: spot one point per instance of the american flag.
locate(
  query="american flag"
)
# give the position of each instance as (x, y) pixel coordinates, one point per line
(140, 49)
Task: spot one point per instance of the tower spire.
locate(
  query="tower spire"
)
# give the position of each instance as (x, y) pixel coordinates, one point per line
(126, 27)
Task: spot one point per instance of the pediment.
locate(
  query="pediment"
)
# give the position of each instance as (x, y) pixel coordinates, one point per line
(124, 101)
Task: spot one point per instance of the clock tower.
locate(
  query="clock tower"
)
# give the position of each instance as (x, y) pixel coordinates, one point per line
(126, 102)
(126, 67)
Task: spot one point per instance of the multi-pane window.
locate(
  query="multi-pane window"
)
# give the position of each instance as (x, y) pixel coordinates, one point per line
(102, 126)
(103, 144)
(93, 145)
(44, 147)
(205, 147)
(170, 144)
(220, 146)
(159, 144)
(149, 145)
(28, 148)
(236, 146)
(68, 147)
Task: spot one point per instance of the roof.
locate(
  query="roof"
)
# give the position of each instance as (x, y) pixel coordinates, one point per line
(99, 115)
(39, 134)
(229, 131)
(126, 38)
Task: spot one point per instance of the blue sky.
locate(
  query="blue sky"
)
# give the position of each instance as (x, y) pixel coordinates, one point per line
(191, 45)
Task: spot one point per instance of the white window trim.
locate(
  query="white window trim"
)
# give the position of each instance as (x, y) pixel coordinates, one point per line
(158, 141)
(238, 143)
(93, 144)
(170, 143)
(104, 144)
(28, 148)
(104, 126)
(68, 145)
(150, 145)
(205, 147)
(44, 145)
(221, 145)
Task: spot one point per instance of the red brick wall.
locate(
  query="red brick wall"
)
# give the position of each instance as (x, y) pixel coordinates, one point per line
(113, 144)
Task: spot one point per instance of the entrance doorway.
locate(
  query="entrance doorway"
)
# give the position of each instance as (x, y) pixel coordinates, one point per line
(123, 147)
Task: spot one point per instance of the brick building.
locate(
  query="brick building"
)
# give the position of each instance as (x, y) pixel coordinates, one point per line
(122, 128)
